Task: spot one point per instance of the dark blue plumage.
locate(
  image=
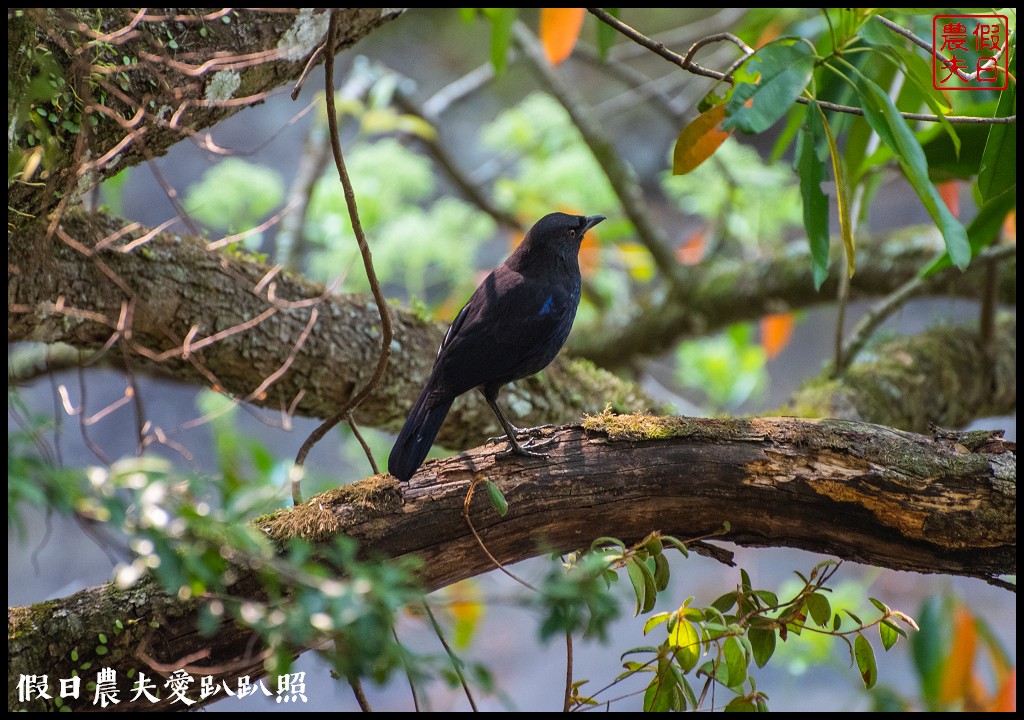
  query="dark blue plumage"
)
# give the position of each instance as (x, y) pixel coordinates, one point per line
(512, 327)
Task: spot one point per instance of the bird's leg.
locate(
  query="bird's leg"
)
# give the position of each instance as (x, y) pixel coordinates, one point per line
(514, 448)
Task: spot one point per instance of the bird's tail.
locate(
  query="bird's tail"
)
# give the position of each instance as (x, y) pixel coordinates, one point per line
(417, 435)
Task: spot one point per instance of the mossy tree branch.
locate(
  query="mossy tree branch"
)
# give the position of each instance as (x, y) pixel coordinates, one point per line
(134, 83)
(166, 297)
(946, 376)
(173, 292)
(851, 490)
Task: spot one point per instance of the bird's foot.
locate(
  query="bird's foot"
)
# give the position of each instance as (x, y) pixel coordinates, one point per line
(519, 450)
(534, 434)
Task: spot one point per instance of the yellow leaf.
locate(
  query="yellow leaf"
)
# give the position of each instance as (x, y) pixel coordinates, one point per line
(699, 140)
(842, 193)
(559, 30)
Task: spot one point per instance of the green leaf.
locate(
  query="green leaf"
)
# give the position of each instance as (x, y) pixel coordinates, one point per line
(930, 647)
(812, 174)
(785, 67)
(661, 571)
(724, 604)
(687, 643)
(606, 34)
(762, 642)
(889, 634)
(740, 704)
(819, 608)
(604, 540)
(983, 230)
(879, 605)
(658, 696)
(496, 497)
(886, 120)
(502, 20)
(654, 546)
(676, 543)
(842, 194)
(865, 657)
(650, 585)
(920, 74)
(655, 620)
(999, 161)
(636, 577)
(736, 661)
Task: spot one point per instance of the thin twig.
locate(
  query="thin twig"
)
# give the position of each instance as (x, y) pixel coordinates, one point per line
(892, 302)
(456, 663)
(362, 441)
(566, 704)
(692, 67)
(450, 165)
(930, 49)
(408, 673)
(465, 514)
(357, 690)
(989, 304)
(291, 235)
(364, 249)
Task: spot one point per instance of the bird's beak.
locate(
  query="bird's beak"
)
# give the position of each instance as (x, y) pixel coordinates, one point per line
(591, 222)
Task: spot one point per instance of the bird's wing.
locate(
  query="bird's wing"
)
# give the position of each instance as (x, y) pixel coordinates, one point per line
(511, 327)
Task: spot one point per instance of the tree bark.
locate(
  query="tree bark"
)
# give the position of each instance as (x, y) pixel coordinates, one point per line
(726, 291)
(173, 292)
(946, 376)
(131, 84)
(167, 297)
(852, 490)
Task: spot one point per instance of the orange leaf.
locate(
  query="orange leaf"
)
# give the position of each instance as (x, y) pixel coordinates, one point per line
(692, 249)
(590, 254)
(956, 685)
(699, 140)
(559, 30)
(514, 239)
(1010, 226)
(1006, 697)
(776, 330)
(771, 31)
(950, 193)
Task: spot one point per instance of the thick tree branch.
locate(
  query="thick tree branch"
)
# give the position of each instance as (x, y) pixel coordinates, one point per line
(185, 72)
(851, 490)
(172, 289)
(728, 291)
(945, 376)
(167, 298)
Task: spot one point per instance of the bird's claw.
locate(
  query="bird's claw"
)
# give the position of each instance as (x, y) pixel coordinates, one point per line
(518, 450)
(534, 434)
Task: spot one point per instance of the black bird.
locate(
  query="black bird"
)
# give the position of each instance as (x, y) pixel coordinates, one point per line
(512, 327)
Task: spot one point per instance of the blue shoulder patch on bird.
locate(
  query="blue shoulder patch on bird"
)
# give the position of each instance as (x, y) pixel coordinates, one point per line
(548, 304)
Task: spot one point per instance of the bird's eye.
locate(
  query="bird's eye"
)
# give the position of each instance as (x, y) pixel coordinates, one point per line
(572, 233)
